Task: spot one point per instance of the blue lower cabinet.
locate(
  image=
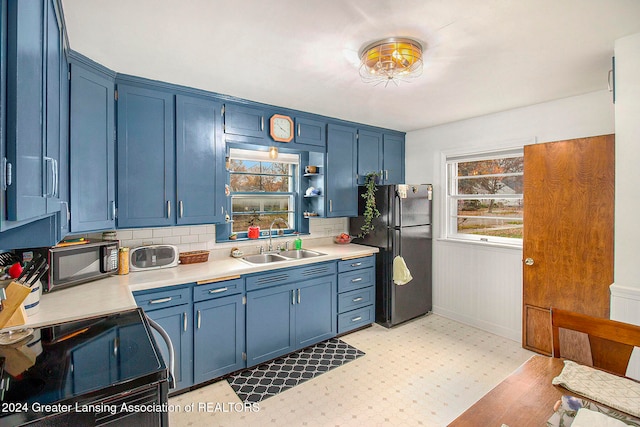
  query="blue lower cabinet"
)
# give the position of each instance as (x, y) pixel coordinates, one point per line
(177, 322)
(270, 323)
(218, 337)
(285, 318)
(315, 310)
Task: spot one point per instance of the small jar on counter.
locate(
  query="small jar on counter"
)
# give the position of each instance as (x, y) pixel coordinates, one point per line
(110, 235)
(123, 261)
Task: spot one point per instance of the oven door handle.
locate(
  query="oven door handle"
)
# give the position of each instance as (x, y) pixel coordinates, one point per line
(167, 340)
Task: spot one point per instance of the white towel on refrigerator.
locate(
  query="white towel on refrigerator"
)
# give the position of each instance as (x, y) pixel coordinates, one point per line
(401, 274)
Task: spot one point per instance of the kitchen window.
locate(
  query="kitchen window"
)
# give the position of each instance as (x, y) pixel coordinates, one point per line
(262, 189)
(484, 197)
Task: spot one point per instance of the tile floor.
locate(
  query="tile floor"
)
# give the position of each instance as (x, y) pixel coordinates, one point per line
(423, 373)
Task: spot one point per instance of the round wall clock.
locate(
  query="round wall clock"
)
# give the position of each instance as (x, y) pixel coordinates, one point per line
(281, 128)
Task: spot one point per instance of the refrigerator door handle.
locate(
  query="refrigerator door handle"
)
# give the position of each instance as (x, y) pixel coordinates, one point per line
(399, 228)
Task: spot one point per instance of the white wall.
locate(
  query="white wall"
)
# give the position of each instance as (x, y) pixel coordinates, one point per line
(480, 284)
(625, 292)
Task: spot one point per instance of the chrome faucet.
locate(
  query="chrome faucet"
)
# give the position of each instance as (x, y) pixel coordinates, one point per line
(271, 229)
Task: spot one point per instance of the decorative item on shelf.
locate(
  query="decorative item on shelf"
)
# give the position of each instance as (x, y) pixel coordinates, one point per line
(342, 239)
(253, 231)
(312, 192)
(311, 170)
(273, 152)
(193, 257)
(227, 190)
(370, 209)
(310, 214)
(393, 59)
(233, 236)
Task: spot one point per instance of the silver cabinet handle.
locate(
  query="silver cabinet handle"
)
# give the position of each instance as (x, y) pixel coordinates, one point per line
(357, 299)
(299, 292)
(113, 209)
(115, 347)
(199, 319)
(528, 261)
(293, 297)
(298, 129)
(181, 208)
(330, 205)
(55, 178)
(217, 291)
(184, 321)
(160, 301)
(66, 205)
(355, 319)
(46, 192)
(356, 264)
(357, 279)
(609, 85)
(168, 208)
(221, 210)
(262, 123)
(386, 174)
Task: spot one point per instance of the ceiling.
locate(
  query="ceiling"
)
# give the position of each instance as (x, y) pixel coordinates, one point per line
(481, 56)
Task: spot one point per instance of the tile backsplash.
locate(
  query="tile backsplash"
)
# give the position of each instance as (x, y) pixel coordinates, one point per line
(203, 237)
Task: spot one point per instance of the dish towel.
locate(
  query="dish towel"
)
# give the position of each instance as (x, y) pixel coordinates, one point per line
(401, 274)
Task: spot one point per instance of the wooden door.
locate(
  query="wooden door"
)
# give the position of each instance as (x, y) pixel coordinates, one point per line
(568, 232)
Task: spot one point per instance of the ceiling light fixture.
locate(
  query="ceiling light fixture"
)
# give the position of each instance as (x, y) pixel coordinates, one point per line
(273, 152)
(391, 60)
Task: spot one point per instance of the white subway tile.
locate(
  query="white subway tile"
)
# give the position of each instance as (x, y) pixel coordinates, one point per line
(142, 233)
(204, 237)
(181, 231)
(161, 232)
(172, 240)
(197, 229)
(191, 238)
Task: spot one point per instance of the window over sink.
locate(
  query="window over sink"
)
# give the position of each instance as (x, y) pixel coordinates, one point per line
(262, 189)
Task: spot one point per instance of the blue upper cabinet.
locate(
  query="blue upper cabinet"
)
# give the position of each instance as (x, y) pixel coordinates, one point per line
(199, 161)
(146, 157)
(92, 139)
(245, 121)
(393, 159)
(310, 132)
(369, 154)
(25, 136)
(341, 192)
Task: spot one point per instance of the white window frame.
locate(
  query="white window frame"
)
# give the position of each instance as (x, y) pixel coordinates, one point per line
(449, 223)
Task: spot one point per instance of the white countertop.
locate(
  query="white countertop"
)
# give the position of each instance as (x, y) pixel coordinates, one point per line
(115, 293)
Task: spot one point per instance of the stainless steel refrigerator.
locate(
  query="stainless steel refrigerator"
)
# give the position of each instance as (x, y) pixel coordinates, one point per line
(403, 228)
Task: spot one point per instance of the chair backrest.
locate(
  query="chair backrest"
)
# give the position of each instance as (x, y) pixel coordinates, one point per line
(610, 342)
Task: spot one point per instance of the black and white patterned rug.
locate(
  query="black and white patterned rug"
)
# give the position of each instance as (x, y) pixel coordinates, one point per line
(269, 379)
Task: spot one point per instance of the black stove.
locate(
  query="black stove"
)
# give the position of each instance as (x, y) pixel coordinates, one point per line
(82, 372)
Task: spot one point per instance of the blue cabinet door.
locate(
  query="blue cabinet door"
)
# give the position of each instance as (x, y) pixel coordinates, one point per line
(92, 153)
(146, 157)
(55, 165)
(199, 161)
(177, 322)
(315, 310)
(245, 121)
(310, 132)
(25, 136)
(369, 154)
(218, 337)
(341, 189)
(270, 325)
(393, 159)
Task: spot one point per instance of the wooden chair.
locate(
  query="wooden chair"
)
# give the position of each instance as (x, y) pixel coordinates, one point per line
(601, 343)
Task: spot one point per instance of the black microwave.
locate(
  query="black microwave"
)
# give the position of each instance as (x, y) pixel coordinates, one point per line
(78, 263)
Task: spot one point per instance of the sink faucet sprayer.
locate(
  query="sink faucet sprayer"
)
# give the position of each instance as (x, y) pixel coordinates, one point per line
(271, 228)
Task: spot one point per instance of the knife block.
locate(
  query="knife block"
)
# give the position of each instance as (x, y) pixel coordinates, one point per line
(13, 313)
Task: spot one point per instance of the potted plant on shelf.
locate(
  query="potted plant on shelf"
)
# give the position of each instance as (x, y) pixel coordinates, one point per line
(370, 209)
(253, 231)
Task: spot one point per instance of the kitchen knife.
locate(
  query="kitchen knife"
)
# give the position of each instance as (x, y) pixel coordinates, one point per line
(39, 275)
(35, 271)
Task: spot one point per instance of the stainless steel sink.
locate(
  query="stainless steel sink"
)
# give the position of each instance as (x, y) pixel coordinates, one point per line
(281, 256)
(264, 258)
(300, 253)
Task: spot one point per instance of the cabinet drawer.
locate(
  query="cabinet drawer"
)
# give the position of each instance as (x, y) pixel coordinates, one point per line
(355, 299)
(356, 279)
(356, 263)
(355, 319)
(217, 288)
(288, 275)
(169, 297)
